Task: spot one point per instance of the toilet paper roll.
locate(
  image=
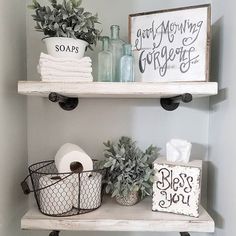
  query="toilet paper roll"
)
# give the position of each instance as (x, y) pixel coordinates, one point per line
(56, 197)
(90, 187)
(71, 157)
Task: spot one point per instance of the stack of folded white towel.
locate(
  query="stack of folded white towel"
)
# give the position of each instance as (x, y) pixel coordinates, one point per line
(54, 69)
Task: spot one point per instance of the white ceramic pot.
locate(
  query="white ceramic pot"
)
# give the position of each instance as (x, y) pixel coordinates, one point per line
(65, 47)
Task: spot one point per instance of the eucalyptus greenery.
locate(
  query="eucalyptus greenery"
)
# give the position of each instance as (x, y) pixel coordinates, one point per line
(66, 19)
(130, 169)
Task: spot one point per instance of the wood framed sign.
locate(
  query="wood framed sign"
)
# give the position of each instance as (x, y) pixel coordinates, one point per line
(177, 187)
(171, 45)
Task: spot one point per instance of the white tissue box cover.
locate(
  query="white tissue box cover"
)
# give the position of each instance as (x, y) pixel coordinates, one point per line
(177, 187)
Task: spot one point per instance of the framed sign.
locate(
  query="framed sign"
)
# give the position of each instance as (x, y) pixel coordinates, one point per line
(177, 187)
(171, 45)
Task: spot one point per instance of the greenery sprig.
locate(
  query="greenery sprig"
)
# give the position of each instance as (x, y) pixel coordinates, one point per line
(66, 19)
(130, 169)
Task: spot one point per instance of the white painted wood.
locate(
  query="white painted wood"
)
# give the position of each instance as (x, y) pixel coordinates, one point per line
(171, 45)
(177, 187)
(113, 217)
(118, 90)
(194, 163)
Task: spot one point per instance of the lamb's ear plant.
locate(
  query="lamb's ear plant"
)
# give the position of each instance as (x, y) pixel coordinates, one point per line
(130, 169)
(66, 19)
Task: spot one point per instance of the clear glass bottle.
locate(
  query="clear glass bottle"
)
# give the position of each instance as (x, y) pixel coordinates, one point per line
(116, 49)
(105, 62)
(127, 64)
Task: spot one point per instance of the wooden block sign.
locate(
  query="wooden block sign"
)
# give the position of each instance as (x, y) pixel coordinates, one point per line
(171, 45)
(177, 187)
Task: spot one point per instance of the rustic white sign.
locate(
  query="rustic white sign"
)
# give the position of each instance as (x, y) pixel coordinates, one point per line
(171, 45)
(176, 189)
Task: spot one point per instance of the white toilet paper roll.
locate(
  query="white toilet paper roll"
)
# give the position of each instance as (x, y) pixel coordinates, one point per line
(56, 196)
(69, 156)
(90, 187)
(74, 178)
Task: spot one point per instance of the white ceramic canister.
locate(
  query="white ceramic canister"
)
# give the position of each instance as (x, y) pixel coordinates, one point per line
(65, 47)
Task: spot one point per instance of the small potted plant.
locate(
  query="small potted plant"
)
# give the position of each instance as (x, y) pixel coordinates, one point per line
(130, 170)
(69, 30)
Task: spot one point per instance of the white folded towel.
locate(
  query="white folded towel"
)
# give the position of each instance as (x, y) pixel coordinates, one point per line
(65, 69)
(45, 72)
(49, 63)
(67, 79)
(64, 65)
(44, 56)
(56, 68)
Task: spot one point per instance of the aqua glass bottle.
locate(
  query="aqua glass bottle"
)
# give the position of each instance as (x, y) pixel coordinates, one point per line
(105, 62)
(116, 49)
(127, 64)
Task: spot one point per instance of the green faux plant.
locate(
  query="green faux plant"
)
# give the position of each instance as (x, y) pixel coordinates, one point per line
(66, 19)
(130, 169)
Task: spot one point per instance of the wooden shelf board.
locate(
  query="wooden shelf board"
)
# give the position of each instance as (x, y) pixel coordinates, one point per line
(113, 217)
(118, 90)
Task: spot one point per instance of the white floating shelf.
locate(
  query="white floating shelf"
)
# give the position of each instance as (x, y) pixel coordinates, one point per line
(118, 90)
(113, 217)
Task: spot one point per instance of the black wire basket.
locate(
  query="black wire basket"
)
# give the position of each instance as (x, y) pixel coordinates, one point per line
(65, 194)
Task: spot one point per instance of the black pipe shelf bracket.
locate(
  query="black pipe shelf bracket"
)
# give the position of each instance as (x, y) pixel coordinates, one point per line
(66, 103)
(54, 233)
(171, 104)
(184, 234)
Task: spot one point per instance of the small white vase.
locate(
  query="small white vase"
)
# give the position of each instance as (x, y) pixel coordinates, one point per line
(65, 47)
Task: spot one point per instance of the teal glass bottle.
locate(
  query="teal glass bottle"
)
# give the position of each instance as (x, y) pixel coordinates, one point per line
(105, 62)
(127, 64)
(116, 49)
